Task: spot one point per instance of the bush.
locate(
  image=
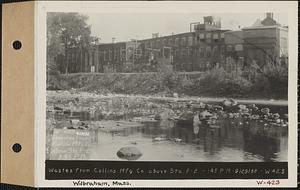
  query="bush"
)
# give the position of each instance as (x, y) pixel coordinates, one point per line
(277, 75)
(270, 82)
(167, 78)
(218, 82)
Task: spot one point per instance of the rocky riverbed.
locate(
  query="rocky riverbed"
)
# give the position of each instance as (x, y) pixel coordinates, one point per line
(114, 114)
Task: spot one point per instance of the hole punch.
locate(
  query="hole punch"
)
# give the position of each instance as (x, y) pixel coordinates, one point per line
(17, 147)
(17, 45)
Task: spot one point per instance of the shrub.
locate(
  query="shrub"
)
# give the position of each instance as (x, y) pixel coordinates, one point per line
(218, 82)
(277, 75)
(167, 78)
(269, 81)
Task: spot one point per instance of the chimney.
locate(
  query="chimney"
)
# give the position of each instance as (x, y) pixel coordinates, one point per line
(269, 15)
(113, 40)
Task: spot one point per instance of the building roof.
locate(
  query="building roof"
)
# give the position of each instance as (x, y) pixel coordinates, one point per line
(264, 27)
(267, 22)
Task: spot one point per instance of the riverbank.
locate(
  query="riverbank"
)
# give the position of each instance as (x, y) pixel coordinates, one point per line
(214, 83)
(85, 95)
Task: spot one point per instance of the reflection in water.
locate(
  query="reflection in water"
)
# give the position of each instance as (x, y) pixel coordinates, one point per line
(229, 140)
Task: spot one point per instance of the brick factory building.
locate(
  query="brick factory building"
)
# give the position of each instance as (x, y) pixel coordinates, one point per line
(204, 47)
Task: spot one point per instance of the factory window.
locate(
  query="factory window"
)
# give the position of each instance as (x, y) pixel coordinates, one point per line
(216, 36)
(101, 55)
(130, 50)
(170, 41)
(105, 55)
(190, 40)
(184, 53)
(114, 54)
(147, 45)
(164, 41)
(110, 54)
(176, 41)
(201, 52)
(215, 50)
(283, 46)
(191, 53)
(123, 54)
(208, 51)
(154, 44)
(175, 53)
(183, 41)
(238, 47)
(208, 35)
(158, 42)
(229, 48)
(222, 35)
(201, 36)
(222, 50)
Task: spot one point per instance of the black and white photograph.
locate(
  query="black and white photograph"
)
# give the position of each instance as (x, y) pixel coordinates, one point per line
(167, 87)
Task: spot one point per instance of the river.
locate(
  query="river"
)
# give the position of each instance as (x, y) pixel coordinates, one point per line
(231, 140)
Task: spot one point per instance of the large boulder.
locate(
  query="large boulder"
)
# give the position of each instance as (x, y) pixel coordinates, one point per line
(129, 153)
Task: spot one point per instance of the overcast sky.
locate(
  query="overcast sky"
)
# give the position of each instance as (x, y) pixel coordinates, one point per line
(126, 26)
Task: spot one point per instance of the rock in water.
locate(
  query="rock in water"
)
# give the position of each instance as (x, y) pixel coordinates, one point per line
(159, 139)
(175, 95)
(242, 107)
(129, 153)
(58, 108)
(229, 102)
(265, 110)
(205, 115)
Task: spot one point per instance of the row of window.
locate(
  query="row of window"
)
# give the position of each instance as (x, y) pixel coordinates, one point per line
(120, 54)
(202, 51)
(187, 40)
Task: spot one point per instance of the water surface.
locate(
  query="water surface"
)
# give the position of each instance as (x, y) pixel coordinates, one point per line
(232, 140)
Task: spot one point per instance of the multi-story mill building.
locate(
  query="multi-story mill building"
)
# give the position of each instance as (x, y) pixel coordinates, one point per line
(205, 46)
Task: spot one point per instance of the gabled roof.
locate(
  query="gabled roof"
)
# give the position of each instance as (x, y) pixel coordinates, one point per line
(269, 22)
(265, 22)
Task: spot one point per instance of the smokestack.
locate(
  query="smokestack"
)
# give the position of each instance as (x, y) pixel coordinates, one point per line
(113, 40)
(269, 15)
